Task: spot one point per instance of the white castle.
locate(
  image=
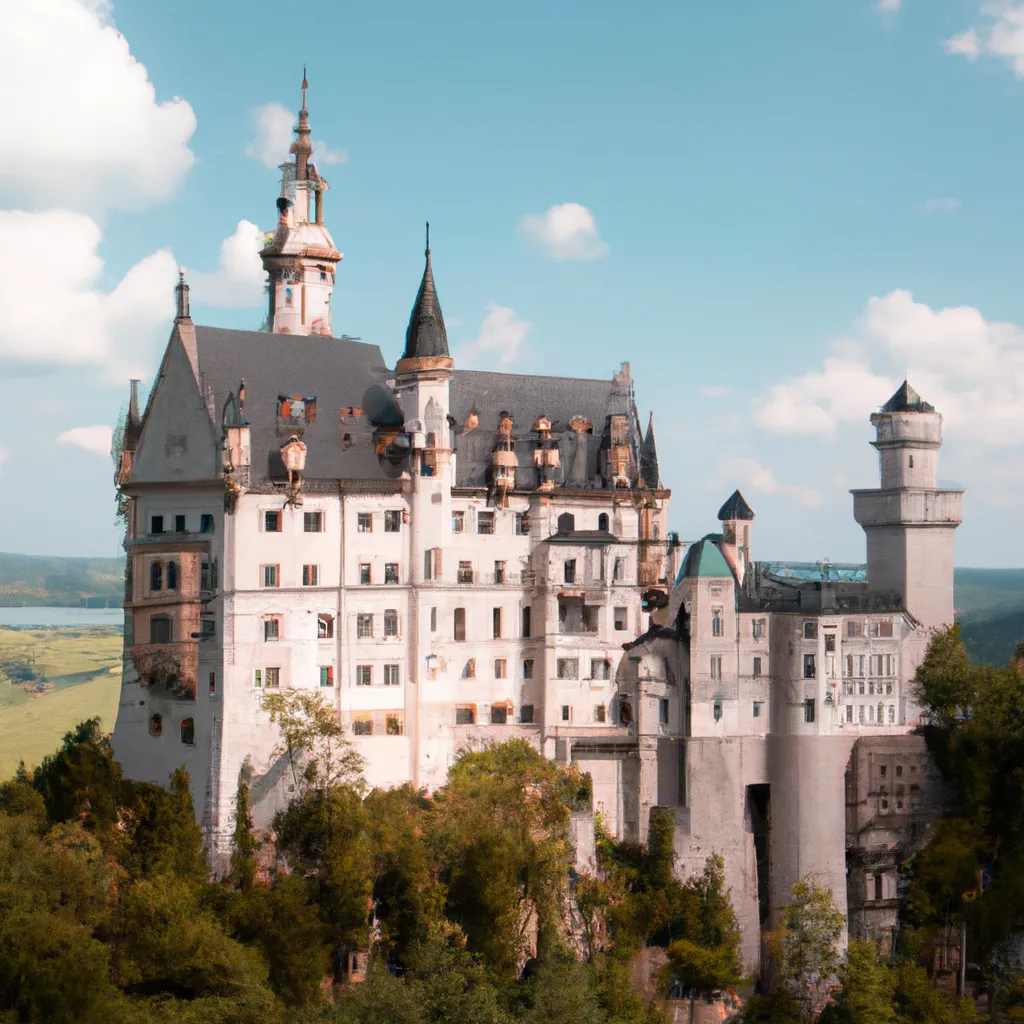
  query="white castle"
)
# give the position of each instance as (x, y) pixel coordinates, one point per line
(454, 557)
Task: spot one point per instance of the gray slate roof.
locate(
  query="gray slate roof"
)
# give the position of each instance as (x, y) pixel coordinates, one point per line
(907, 399)
(426, 336)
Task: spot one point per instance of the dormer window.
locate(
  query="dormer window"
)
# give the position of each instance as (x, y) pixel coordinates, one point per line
(297, 408)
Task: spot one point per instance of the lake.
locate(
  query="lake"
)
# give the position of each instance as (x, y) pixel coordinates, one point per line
(61, 617)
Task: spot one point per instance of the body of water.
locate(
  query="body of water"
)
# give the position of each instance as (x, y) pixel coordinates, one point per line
(61, 617)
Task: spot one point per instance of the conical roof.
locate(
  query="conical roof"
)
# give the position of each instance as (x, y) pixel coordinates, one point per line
(426, 336)
(907, 399)
(735, 508)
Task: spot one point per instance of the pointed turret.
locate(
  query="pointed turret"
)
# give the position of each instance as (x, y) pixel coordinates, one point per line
(426, 337)
(302, 147)
(907, 399)
(649, 457)
(736, 509)
(181, 310)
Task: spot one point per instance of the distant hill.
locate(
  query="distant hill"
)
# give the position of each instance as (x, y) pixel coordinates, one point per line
(990, 610)
(41, 580)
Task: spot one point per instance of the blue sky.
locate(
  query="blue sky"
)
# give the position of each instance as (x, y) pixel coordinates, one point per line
(792, 204)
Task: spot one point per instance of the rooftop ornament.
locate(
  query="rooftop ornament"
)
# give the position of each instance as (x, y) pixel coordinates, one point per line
(293, 454)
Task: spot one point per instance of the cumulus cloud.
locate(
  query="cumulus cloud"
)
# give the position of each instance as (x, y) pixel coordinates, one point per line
(566, 232)
(749, 475)
(91, 439)
(273, 127)
(239, 278)
(888, 6)
(971, 369)
(501, 338)
(715, 391)
(946, 205)
(87, 131)
(1000, 34)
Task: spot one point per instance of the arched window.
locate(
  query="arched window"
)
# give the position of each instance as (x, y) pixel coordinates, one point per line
(892, 714)
(566, 522)
(156, 725)
(172, 575)
(602, 521)
(156, 576)
(881, 713)
(188, 731)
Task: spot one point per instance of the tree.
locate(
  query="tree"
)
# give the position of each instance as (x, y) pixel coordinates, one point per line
(244, 844)
(558, 992)
(868, 989)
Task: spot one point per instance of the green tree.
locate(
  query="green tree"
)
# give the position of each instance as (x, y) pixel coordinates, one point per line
(244, 844)
(452, 985)
(868, 989)
(558, 992)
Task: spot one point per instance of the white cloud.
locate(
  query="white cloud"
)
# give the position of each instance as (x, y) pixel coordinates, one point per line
(502, 334)
(715, 391)
(970, 369)
(239, 278)
(946, 205)
(274, 125)
(92, 439)
(749, 475)
(5, 454)
(1001, 34)
(888, 6)
(566, 232)
(966, 44)
(83, 127)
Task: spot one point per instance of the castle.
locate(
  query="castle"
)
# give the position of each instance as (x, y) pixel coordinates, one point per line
(453, 557)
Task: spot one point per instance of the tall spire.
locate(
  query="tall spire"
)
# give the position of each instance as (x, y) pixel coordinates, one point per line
(181, 297)
(426, 336)
(649, 457)
(302, 148)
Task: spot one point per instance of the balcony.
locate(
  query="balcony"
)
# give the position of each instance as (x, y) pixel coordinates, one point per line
(171, 667)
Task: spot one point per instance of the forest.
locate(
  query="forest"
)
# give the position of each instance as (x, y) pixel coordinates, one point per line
(465, 905)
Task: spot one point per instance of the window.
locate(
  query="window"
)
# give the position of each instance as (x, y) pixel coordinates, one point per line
(273, 677)
(885, 629)
(458, 522)
(258, 681)
(526, 622)
(809, 710)
(757, 709)
(391, 676)
(365, 576)
(528, 668)
(272, 628)
(883, 771)
(849, 712)
(566, 713)
(830, 643)
(469, 670)
(156, 725)
(500, 668)
(892, 719)
(324, 626)
(860, 687)
(272, 521)
(526, 714)
(496, 623)
(485, 522)
(602, 524)
(310, 576)
(207, 627)
(271, 575)
(326, 675)
(810, 630)
(621, 617)
(810, 670)
(716, 621)
(881, 713)
(208, 575)
(716, 666)
(570, 570)
(465, 715)
(391, 622)
(362, 726)
(568, 668)
(188, 732)
(172, 575)
(433, 620)
(393, 725)
(212, 683)
(364, 522)
(854, 628)
(522, 529)
(393, 521)
(663, 711)
(460, 623)
(757, 666)
(159, 629)
(156, 576)
(156, 524)
(465, 572)
(499, 572)
(599, 668)
(871, 712)
(206, 523)
(600, 713)
(499, 714)
(390, 572)
(757, 628)
(179, 524)
(364, 625)
(364, 675)
(617, 569)
(312, 522)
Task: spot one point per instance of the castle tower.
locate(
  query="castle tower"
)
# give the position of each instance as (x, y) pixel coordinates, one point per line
(909, 521)
(300, 257)
(736, 516)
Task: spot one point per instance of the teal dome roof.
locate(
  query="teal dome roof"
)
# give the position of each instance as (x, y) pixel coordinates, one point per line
(705, 558)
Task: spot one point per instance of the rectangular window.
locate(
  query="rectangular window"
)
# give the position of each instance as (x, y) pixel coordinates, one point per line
(433, 620)
(716, 621)
(499, 714)
(830, 643)
(600, 713)
(757, 709)
(522, 528)
(485, 522)
(716, 666)
(568, 668)
(364, 675)
(258, 680)
(208, 575)
(460, 623)
(362, 726)
(496, 623)
(326, 675)
(526, 714)
(599, 668)
(324, 626)
(272, 628)
(811, 629)
(313, 522)
(849, 712)
(393, 521)
(391, 676)
(528, 668)
(526, 622)
(206, 523)
(617, 570)
(273, 677)
(391, 622)
(390, 572)
(757, 666)
(156, 524)
(272, 521)
(208, 627)
(465, 572)
(663, 711)
(499, 572)
(271, 575)
(364, 625)
(500, 668)
(566, 713)
(469, 672)
(311, 576)
(570, 570)
(621, 618)
(365, 575)
(885, 629)
(465, 716)
(458, 522)
(179, 524)
(809, 710)
(757, 628)
(809, 667)
(212, 684)
(854, 628)
(393, 725)
(159, 629)
(364, 522)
